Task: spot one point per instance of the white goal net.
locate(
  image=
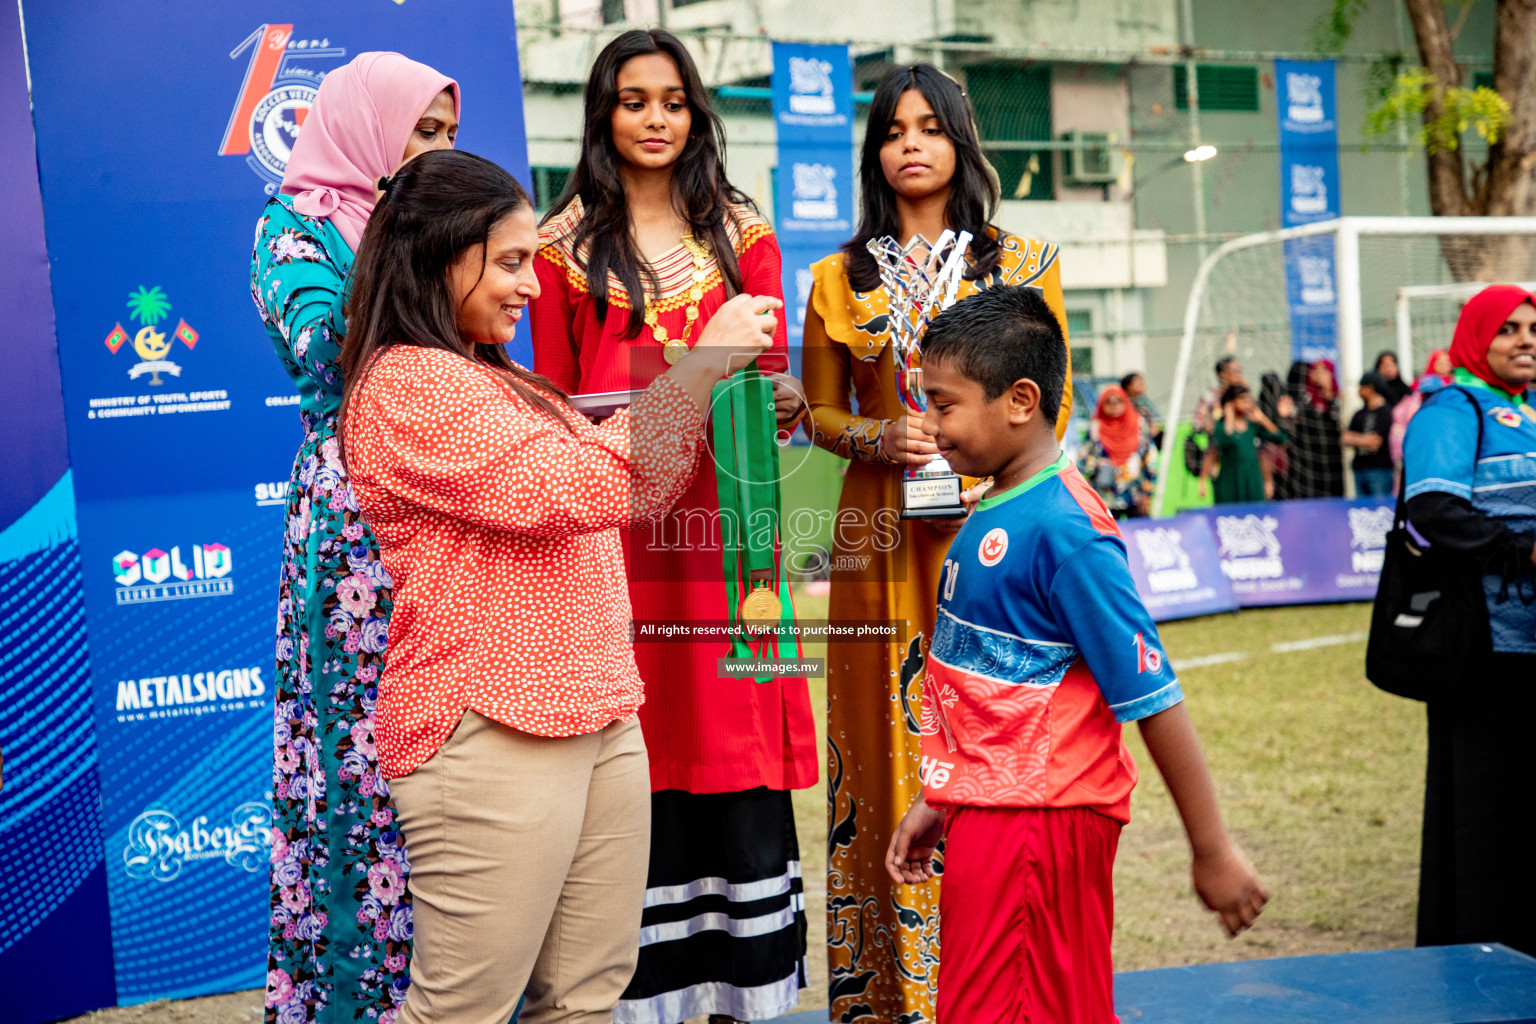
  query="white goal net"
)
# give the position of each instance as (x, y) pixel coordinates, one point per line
(1397, 285)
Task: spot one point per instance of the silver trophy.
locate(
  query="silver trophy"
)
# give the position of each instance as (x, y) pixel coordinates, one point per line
(920, 280)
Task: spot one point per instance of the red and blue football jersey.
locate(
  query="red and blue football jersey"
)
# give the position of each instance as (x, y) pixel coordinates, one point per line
(1041, 650)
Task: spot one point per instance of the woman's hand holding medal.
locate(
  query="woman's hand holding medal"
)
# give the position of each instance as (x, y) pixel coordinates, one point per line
(740, 330)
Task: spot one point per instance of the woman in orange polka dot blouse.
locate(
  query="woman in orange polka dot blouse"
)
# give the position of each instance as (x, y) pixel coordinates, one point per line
(648, 241)
(506, 712)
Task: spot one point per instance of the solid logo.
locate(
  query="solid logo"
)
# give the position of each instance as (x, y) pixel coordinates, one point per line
(158, 847)
(158, 575)
(148, 307)
(993, 546)
(280, 85)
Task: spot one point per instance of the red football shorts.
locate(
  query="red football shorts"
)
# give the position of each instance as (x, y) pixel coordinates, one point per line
(1026, 912)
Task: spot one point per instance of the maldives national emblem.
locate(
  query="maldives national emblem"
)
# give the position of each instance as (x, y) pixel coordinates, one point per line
(149, 306)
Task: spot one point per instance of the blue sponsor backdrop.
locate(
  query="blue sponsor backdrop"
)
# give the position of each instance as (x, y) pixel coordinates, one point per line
(1302, 552)
(1244, 556)
(1309, 192)
(1176, 567)
(161, 130)
(53, 905)
(813, 192)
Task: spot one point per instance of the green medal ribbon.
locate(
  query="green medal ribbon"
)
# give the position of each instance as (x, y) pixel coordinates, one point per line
(747, 481)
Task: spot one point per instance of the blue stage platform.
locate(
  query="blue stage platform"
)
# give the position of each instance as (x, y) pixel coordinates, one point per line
(1438, 985)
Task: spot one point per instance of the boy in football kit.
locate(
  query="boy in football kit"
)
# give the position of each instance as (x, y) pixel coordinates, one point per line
(1042, 649)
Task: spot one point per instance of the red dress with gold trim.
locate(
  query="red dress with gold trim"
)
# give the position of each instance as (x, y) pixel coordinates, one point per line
(705, 734)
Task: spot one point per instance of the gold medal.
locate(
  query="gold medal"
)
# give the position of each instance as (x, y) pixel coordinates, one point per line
(673, 349)
(761, 609)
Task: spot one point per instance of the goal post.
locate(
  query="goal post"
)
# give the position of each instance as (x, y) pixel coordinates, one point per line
(1383, 266)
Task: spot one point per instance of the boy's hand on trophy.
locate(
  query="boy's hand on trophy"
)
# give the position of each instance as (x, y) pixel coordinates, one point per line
(906, 442)
(970, 498)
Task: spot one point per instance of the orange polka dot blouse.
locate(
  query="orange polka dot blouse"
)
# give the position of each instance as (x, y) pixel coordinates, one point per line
(501, 531)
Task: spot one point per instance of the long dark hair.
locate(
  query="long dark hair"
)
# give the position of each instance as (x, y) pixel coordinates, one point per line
(438, 205)
(973, 195)
(700, 190)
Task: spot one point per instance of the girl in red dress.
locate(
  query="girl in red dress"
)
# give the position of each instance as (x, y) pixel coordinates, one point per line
(645, 245)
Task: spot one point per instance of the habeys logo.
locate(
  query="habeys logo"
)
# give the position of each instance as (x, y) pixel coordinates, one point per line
(993, 546)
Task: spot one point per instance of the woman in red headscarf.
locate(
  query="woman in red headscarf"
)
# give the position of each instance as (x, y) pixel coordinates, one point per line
(1119, 459)
(1470, 493)
(341, 919)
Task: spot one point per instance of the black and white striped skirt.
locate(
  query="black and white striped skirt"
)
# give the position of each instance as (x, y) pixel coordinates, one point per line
(723, 931)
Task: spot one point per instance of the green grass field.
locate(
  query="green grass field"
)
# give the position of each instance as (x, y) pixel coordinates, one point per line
(1320, 776)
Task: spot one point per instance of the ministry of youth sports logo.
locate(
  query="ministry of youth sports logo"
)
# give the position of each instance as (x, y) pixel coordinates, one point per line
(281, 81)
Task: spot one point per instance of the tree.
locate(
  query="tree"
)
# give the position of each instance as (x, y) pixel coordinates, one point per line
(1437, 94)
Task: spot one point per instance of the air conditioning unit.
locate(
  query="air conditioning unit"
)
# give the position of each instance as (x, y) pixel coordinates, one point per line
(1091, 158)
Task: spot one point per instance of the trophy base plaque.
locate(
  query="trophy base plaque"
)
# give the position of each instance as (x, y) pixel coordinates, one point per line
(933, 492)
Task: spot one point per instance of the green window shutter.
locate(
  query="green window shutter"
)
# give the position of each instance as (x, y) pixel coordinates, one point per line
(1079, 322)
(1222, 87)
(1013, 104)
(1482, 79)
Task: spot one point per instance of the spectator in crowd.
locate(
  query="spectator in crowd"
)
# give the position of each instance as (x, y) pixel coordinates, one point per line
(1317, 463)
(1368, 433)
(1275, 403)
(1119, 460)
(1436, 375)
(1394, 388)
(1229, 372)
(1135, 387)
(1233, 455)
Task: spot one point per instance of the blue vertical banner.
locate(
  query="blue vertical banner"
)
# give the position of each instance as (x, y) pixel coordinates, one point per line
(55, 949)
(813, 194)
(1309, 192)
(161, 131)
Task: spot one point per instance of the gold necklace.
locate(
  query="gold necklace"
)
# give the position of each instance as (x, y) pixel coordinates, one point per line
(673, 349)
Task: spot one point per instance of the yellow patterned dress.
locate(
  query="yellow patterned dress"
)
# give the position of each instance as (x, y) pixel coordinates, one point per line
(882, 940)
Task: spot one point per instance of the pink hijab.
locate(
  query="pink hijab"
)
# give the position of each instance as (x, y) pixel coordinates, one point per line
(355, 134)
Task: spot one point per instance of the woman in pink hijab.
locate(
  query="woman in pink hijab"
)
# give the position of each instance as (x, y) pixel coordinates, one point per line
(340, 916)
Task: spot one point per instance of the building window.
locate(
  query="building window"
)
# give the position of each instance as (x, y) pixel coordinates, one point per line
(1013, 104)
(1080, 330)
(548, 183)
(1482, 79)
(1222, 87)
(612, 11)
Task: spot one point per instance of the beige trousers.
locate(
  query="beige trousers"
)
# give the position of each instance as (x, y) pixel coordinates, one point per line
(528, 865)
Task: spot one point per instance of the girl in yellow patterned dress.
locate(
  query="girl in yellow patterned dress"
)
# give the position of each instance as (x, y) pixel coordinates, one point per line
(922, 171)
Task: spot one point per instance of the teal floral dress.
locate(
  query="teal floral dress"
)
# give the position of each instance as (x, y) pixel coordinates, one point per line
(340, 932)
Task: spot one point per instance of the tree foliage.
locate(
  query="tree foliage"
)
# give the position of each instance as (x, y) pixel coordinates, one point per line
(1460, 110)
